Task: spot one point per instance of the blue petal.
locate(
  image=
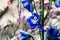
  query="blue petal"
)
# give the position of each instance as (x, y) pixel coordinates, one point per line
(33, 27)
(36, 14)
(30, 23)
(23, 33)
(57, 3)
(41, 28)
(25, 4)
(24, 38)
(38, 17)
(23, 1)
(53, 33)
(29, 6)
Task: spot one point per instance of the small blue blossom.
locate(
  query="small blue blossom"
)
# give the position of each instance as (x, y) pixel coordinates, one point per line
(33, 21)
(57, 3)
(53, 34)
(24, 1)
(27, 5)
(24, 35)
(23, 38)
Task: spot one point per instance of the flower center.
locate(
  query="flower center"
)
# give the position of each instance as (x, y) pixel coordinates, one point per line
(34, 20)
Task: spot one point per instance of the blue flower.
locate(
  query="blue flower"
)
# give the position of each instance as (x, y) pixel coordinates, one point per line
(24, 35)
(24, 1)
(23, 38)
(27, 5)
(57, 3)
(53, 34)
(33, 21)
(41, 28)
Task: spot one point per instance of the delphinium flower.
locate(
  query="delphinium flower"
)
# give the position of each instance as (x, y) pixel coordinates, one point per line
(33, 21)
(57, 3)
(24, 35)
(27, 5)
(52, 34)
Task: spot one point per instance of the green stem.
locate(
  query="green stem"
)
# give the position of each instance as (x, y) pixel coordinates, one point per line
(42, 12)
(42, 33)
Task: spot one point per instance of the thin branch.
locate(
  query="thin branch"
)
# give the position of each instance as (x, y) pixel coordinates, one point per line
(6, 9)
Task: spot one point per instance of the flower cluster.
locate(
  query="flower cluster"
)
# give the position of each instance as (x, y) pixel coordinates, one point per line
(27, 5)
(34, 20)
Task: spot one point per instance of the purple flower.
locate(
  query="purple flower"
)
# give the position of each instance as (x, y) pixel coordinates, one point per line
(33, 21)
(27, 5)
